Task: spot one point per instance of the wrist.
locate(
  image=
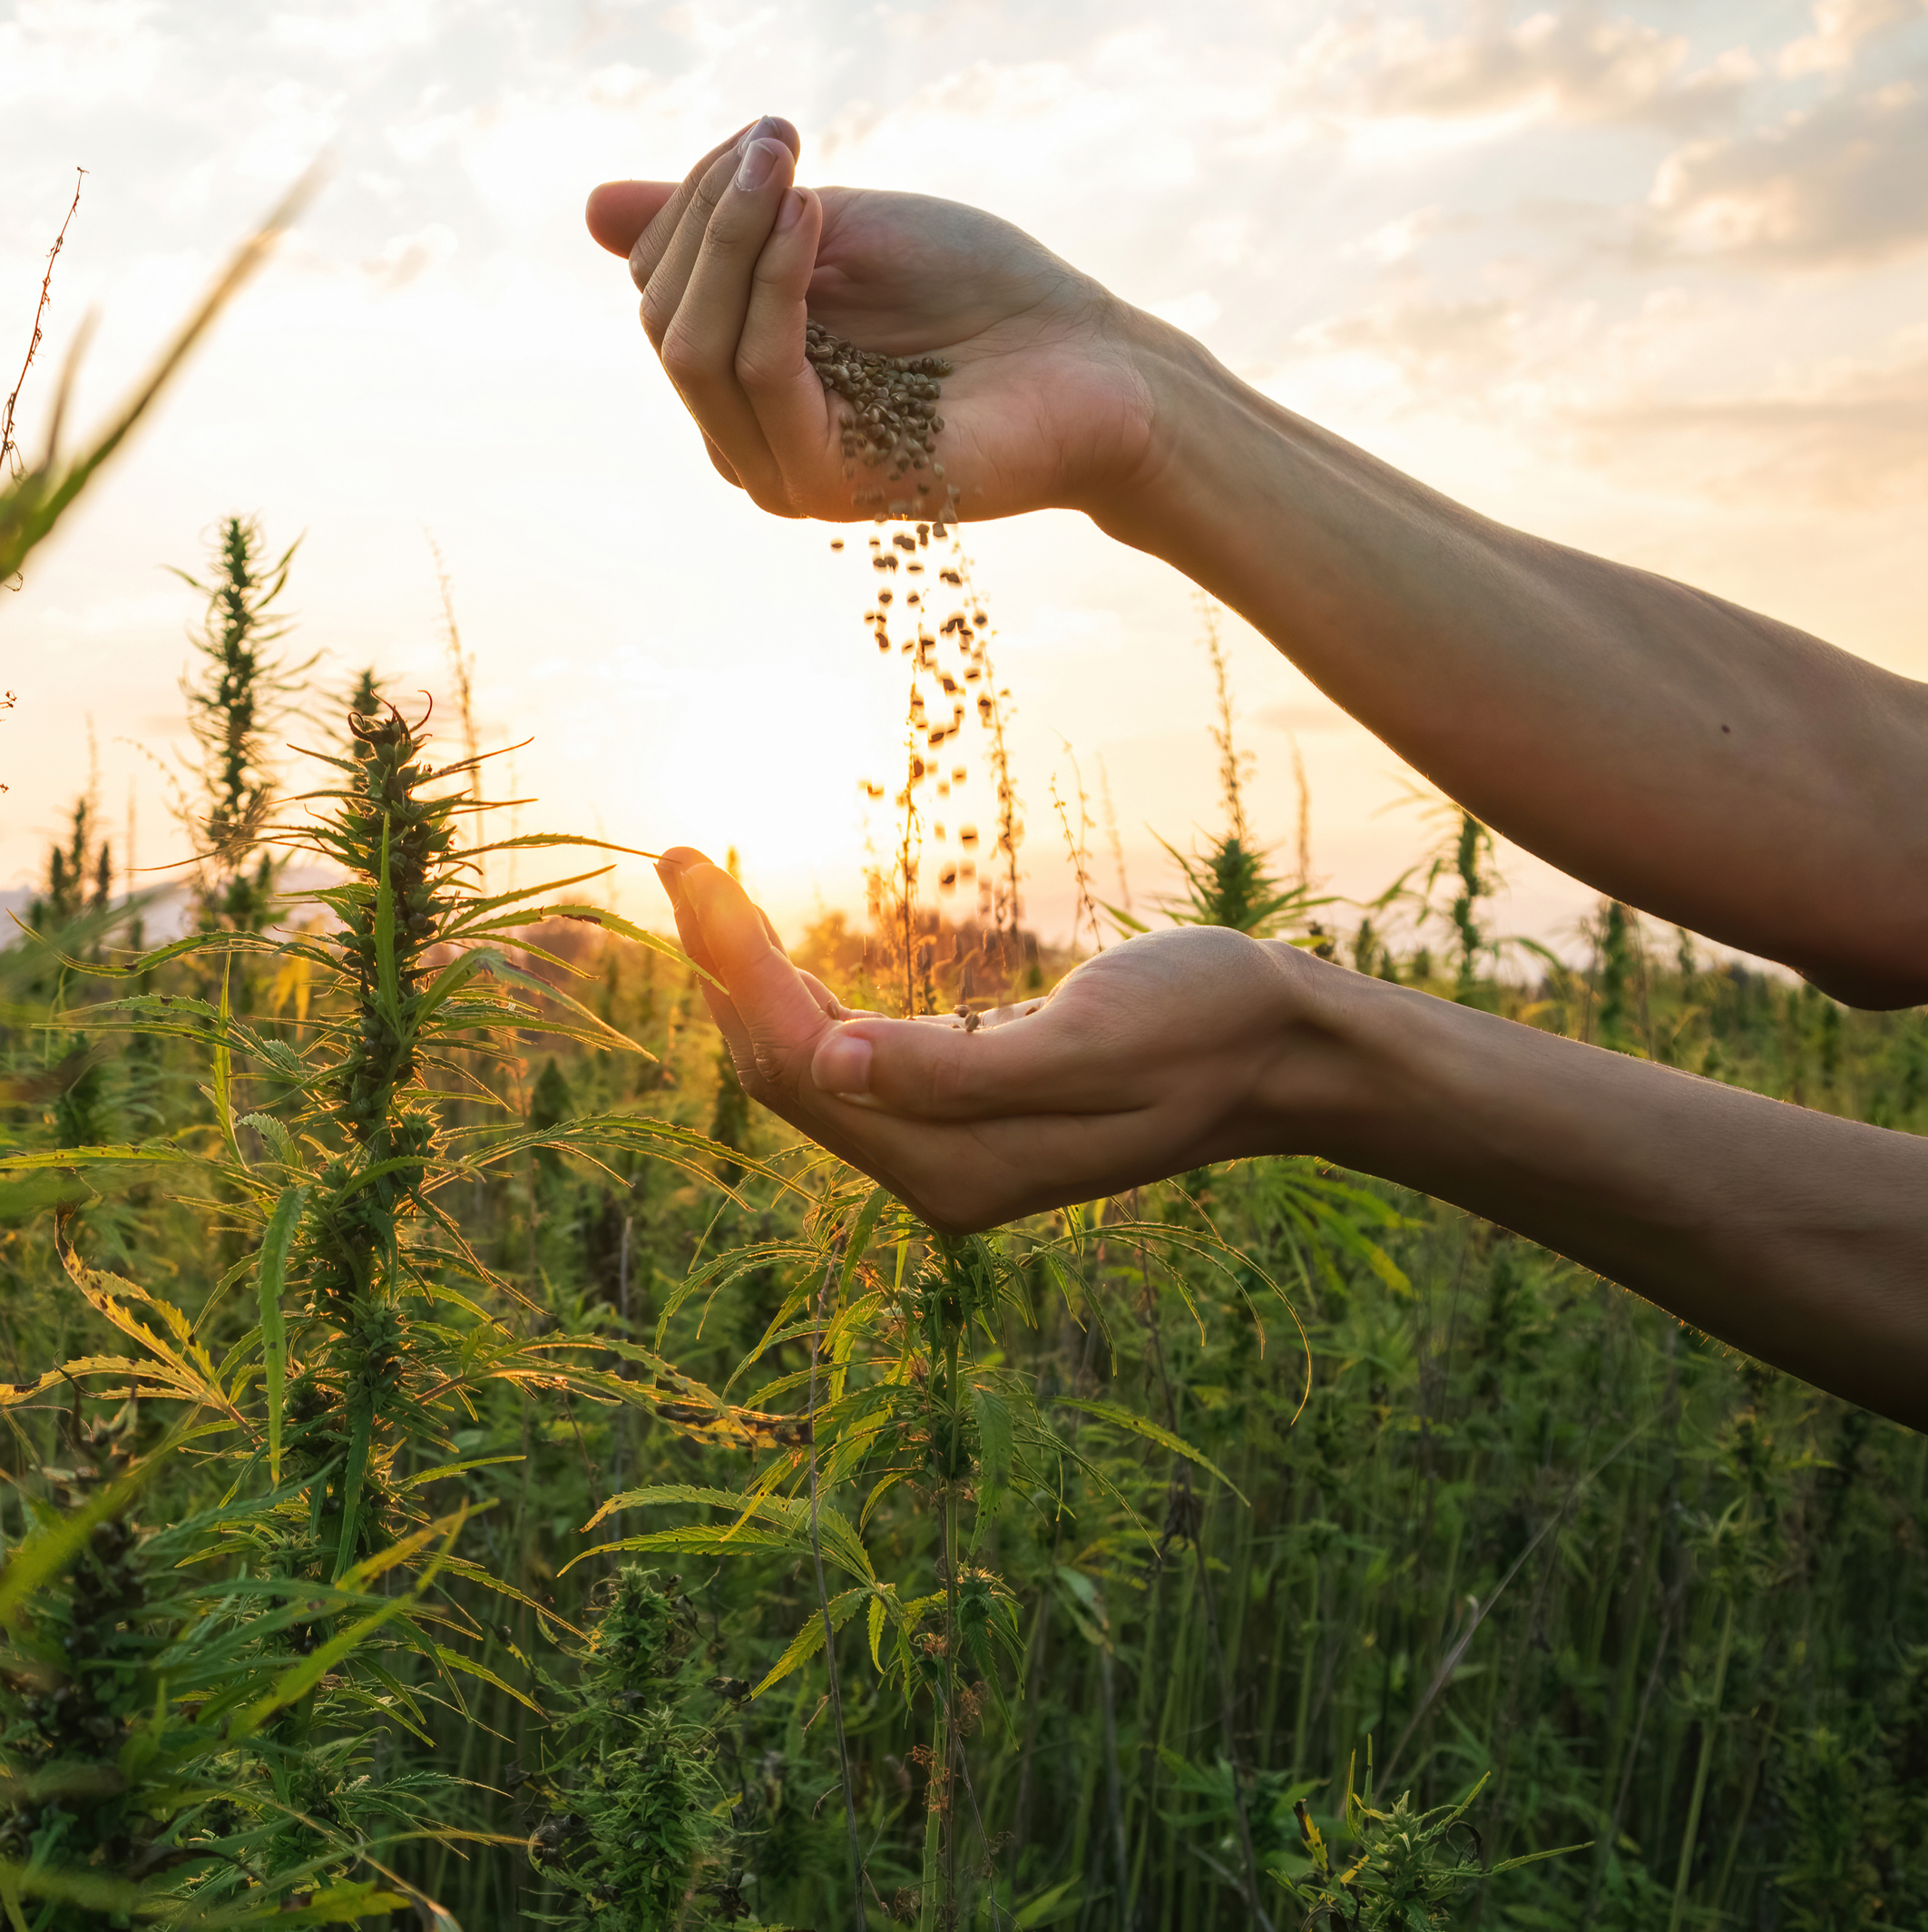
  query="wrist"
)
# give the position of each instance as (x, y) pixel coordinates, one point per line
(1337, 1070)
(1203, 448)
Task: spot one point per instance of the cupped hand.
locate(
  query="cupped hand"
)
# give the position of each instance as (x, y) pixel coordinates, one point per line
(1045, 405)
(1166, 1052)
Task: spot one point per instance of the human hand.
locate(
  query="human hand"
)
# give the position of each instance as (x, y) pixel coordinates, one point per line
(1157, 1056)
(1046, 404)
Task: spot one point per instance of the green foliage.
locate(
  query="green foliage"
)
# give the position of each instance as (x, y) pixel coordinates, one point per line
(79, 876)
(1475, 1542)
(33, 502)
(139, 1784)
(1228, 885)
(1025, 1579)
(240, 698)
(1619, 976)
(1401, 1869)
(329, 1179)
(630, 1790)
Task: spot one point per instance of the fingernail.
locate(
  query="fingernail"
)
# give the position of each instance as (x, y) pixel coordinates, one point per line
(759, 158)
(841, 1065)
(791, 212)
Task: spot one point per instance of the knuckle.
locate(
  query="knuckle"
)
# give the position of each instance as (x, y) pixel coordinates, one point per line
(708, 192)
(758, 373)
(728, 232)
(657, 313)
(683, 356)
(775, 1066)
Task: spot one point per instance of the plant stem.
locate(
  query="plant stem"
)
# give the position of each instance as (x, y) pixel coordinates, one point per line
(858, 1875)
(1700, 1773)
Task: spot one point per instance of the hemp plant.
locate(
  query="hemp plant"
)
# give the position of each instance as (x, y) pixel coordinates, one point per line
(242, 692)
(628, 1781)
(146, 1685)
(374, 1332)
(1230, 883)
(909, 1404)
(1402, 1868)
(372, 1340)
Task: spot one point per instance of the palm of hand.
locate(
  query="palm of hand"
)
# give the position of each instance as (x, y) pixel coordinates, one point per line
(1043, 405)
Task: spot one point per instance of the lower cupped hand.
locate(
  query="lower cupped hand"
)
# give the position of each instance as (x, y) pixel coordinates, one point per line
(1163, 1052)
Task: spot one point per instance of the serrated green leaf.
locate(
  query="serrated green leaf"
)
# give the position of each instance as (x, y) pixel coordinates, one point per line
(809, 1639)
(993, 1433)
(275, 1244)
(1140, 1426)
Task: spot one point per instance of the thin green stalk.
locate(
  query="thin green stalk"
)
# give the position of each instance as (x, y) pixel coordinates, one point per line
(1710, 1725)
(858, 1874)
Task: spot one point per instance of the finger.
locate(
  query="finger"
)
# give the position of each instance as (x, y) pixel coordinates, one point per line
(792, 408)
(781, 1011)
(718, 462)
(1052, 1061)
(833, 1008)
(617, 213)
(679, 859)
(701, 343)
(652, 235)
(670, 870)
(666, 250)
(806, 1109)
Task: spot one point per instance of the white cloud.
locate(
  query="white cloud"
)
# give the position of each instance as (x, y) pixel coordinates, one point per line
(1841, 26)
(1430, 339)
(1393, 240)
(80, 56)
(1566, 64)
(403, 257)
(1847, 433)
(352, 34)
(1829, 186)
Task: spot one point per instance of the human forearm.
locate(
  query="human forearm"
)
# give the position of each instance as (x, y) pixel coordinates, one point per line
(1715, 767)
(1798, 1237)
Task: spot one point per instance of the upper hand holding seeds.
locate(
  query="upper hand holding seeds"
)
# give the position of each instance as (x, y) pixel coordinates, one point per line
(796, 324)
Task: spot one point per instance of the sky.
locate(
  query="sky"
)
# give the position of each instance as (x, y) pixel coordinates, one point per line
(1651, 280)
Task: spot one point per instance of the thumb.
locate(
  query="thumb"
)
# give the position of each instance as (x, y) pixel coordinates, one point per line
(1047, 1062)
